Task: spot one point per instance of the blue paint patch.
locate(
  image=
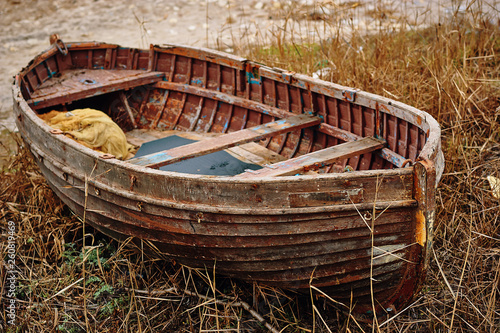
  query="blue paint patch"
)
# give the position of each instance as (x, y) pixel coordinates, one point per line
(226, 126)
(197, 82)
(88, 81)
(266, 127)
(349, 95)
(154, 159)
(249, 76)
(286, 77)
(252, 79)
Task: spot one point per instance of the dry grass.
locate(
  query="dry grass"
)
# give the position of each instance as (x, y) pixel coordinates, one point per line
(68, 285)
(450, 70)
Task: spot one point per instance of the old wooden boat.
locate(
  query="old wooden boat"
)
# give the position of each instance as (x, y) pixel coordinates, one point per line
(343, 198)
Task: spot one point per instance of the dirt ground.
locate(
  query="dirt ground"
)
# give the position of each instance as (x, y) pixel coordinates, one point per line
(25, 25)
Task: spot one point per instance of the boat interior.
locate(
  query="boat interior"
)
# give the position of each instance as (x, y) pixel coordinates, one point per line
(275, 124)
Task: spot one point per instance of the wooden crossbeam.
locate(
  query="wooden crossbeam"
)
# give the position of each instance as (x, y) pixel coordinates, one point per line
(208, 146)
(316, 159)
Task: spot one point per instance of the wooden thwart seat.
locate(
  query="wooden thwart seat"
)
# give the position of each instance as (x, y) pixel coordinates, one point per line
(251, 152)
(73, 85)
(211, 145)
(317, 158)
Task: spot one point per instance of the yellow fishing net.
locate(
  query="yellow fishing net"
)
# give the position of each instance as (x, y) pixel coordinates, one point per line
(92, 128)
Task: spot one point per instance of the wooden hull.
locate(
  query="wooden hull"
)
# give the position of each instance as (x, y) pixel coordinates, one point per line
(289, 231)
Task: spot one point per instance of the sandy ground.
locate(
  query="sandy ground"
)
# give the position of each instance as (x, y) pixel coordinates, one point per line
(25, 25)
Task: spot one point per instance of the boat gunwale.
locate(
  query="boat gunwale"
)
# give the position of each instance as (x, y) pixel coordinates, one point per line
(381, 205)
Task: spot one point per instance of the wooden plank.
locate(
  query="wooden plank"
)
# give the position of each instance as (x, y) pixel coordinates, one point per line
(78, 84)
(256, 154)
(317, 158)
(195, 149)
